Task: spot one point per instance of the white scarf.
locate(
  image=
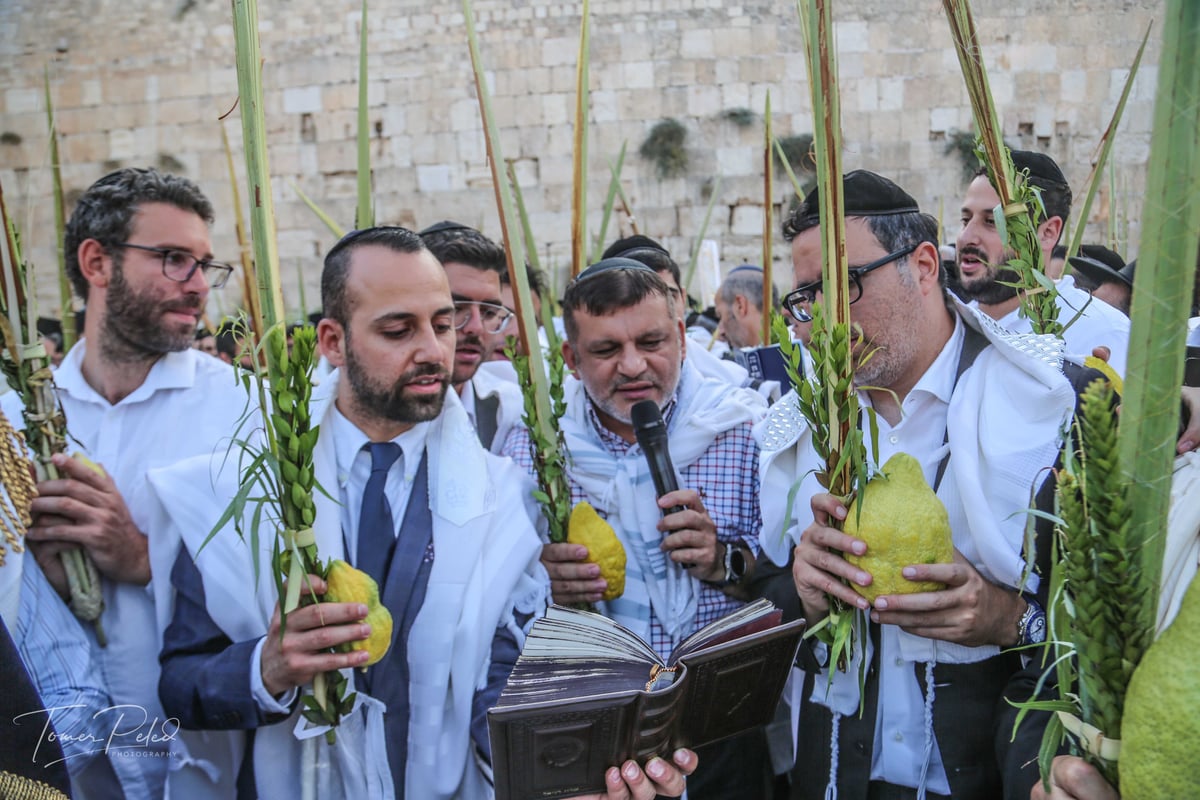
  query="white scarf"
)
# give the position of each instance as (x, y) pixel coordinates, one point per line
(1183, 538)
(1003, 422)
(622, 489)
(478, 560)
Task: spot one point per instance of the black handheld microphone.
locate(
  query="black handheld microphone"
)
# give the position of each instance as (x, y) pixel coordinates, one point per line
(651, 433)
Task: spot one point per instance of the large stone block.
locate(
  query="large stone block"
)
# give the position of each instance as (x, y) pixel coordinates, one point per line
(85, 148)
(22, 101)
(746, 220)
(733, 161)
(560, 50)
(703, 101)
(696, 44)
(303, 100)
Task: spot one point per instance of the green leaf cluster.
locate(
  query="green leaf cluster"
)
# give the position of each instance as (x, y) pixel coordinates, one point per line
(1017, 225)
(26, 366)
(829, 403)
(1101, 571)
(549, 461)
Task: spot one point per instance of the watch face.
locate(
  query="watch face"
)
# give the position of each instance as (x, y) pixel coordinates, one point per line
(1037, 628)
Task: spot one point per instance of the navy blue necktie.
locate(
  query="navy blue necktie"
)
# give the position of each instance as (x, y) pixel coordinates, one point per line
(376, 528)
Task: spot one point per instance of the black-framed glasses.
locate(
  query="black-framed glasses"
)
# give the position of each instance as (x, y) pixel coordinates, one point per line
(180, 265)
(798, 302)
(492, 318)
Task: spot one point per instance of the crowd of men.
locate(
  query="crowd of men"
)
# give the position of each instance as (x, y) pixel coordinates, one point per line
(426, 469)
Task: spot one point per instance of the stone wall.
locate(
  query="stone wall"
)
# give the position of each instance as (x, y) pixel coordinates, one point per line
(140, 82)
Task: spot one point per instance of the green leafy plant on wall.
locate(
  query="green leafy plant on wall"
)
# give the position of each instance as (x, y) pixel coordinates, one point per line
(742, 117)
(665, 146)
(794, 155)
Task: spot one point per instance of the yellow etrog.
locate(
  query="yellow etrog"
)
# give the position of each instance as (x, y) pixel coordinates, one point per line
(604, 548)
(349, 585)
(1160, 726)
(903, 523)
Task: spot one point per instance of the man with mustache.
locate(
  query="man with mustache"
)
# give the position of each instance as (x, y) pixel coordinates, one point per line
(136, 396)
(415, 501)
(982, 259)
(474, 265)
(684, 551)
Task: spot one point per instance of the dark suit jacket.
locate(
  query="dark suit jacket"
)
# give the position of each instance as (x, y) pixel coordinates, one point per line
(205, 679)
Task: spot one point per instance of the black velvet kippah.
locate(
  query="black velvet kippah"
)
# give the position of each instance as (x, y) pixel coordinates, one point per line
(444, 226)
(1042, 168)
(629, 244)
(610, 264)
(865, 195)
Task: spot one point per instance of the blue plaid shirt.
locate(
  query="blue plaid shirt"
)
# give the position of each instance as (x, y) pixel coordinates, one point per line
(726, 477)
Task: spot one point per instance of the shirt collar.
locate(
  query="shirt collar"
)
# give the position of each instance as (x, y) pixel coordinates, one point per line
(172, 371)
(349, 441)
(612, 441)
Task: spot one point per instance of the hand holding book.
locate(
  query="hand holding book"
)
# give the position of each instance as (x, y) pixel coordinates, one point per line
(587, 693)
(657, 778)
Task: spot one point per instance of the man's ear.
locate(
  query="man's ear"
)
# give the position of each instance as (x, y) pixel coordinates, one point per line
(569, 359)
(1049, 233)
(95, 263)
(741, 306)
(682, 340)
(926, 262)
(331, 337)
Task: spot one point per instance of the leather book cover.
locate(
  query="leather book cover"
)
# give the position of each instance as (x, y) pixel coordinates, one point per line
(563, 720)
(557, 750)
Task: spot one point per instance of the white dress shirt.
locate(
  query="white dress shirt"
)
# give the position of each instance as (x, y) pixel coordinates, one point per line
(190, 404)
(1099, 324)
(898, 753)
(354, 468)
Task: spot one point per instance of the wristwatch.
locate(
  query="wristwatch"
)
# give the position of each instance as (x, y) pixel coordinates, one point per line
(1031, 628)
(735, 563)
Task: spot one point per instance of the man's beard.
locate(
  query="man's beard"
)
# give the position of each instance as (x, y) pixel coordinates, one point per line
(391, 402)
(133, 326)
(989, 289)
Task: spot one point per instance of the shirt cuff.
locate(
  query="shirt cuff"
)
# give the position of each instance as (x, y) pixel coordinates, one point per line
(265, 701)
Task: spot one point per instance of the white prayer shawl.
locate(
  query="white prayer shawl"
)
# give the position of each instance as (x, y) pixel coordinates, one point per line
(499, 378)
(1004, 424)
(1182, 553)
(623, 490)
(486, 564)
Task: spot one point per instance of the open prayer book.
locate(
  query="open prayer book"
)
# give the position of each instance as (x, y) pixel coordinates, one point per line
(587, 694)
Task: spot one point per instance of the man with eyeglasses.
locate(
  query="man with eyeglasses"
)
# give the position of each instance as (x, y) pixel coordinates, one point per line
(474, 264)
(981, 412)
(136, 396)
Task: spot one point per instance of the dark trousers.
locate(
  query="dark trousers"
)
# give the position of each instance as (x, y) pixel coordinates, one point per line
(878, 790)
(737, 768)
